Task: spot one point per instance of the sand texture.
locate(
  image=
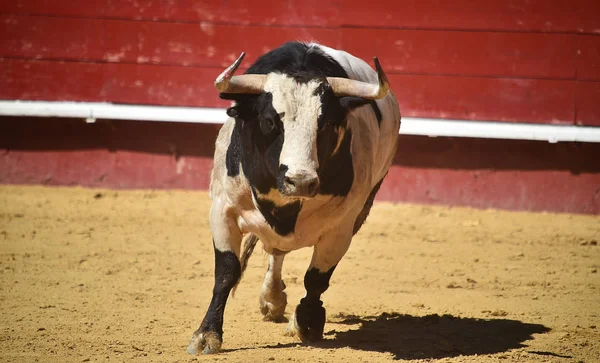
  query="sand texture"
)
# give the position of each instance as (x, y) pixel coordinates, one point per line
(92, 275)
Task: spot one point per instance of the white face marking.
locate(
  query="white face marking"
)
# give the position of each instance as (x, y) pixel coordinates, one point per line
(300, 109)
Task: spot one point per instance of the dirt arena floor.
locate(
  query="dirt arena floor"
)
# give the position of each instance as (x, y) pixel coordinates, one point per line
(101, 275)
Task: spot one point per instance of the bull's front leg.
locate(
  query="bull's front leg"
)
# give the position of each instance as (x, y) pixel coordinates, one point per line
(309, 319)
(226, 241)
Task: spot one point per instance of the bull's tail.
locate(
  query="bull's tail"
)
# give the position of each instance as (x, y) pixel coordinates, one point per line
(249, 245)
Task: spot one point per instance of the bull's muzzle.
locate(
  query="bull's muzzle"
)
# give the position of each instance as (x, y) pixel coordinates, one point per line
(301, 183)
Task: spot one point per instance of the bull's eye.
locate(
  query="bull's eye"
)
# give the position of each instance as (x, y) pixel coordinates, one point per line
(267, 125)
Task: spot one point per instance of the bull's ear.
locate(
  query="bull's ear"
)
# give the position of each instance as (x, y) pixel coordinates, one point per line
(229, 96)
(233, 112)
(243, 107)
(350, 103)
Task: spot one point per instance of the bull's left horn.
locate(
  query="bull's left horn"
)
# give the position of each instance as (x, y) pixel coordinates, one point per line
(226, 82)
(349, 87)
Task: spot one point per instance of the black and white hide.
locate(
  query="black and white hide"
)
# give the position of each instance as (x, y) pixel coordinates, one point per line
(311, 134)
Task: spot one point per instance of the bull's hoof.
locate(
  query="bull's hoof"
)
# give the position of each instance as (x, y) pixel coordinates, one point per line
(307, 323)
(272, 306)
(292, 328)
(207, 342)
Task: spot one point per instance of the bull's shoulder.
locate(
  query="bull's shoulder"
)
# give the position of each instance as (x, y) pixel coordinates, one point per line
(222, 145)
(226, 175)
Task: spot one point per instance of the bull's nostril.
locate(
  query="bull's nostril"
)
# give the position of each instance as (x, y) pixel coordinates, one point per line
(288, 181)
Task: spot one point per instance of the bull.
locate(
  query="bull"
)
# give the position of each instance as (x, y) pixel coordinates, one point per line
(311, 134)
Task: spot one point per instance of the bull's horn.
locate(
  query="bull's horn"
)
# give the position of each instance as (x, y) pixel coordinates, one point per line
(226, 82)
(350, 87)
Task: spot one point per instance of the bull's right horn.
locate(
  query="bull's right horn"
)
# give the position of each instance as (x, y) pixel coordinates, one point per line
(226, 82)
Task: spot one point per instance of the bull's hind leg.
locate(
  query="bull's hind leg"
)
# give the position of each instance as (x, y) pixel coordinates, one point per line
(272, 299)
(226, 240)
(309, 319)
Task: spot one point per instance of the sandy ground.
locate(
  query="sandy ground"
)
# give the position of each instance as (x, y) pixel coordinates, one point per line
(99, 275)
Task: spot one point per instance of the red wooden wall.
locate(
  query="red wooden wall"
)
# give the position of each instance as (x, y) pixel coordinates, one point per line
(508, 60)
(511, 60)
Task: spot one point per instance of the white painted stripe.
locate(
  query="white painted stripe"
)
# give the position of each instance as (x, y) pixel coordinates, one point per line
(498, 130)
(410, 125)
(99, 110)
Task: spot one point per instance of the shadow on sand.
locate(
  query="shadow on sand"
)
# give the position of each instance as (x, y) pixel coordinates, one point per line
(432, 336)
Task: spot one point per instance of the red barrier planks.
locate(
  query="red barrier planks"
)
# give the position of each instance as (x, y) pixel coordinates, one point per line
(161, 85)
(50, 167)
(74, 8)
(548, 190)
(526, 100)
(588, 103)
(145, 42)
(500, 99)
(508, 15)
(151, 170)
(315, 13)
(588, 57)
(37, 37)
(200, 45)
(405, 51)
(585, 15)
(50, 81)
(466, 53)
(119, 83)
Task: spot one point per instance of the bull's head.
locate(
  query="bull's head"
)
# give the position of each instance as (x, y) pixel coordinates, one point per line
(299, 121)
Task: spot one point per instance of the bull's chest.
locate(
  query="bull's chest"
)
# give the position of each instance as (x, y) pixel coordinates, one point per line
(290, 226)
